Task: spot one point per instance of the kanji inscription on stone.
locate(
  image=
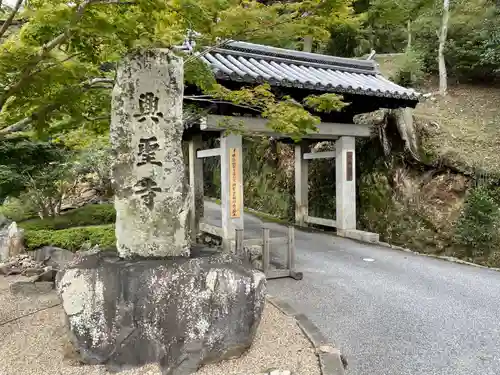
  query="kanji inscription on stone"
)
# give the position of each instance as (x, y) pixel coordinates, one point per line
(148, 108)
(147, 151)
(149, 173)
(147, 189)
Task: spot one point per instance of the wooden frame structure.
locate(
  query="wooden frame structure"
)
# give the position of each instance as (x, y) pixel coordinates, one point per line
(232, 195)
(344, 156)
(295, 74)
(266, 242)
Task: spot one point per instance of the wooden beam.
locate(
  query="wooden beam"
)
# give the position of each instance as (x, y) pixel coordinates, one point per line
(326, 130)
(208, 153)
(320, 221)
(301, 183)
(319, 155)
(253, 242)
(277, 274)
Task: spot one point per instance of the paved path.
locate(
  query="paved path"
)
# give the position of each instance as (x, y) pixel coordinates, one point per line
(401, 314)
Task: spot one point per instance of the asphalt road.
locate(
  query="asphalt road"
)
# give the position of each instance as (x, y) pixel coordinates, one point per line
(391, 312)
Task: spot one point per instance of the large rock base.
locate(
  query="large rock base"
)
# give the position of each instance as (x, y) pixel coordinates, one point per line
(180, 313)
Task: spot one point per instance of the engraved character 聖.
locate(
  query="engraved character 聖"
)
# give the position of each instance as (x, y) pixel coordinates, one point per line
(147, 151)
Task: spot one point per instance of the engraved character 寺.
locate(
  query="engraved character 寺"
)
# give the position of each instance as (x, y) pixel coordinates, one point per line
(147, 189)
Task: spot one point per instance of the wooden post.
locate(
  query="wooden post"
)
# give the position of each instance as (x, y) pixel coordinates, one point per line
(308, 42)
(291, 249)
(239, 249)
(231, 164)
(345, 184)
(301, 184)
(195, 185)
(265, 251)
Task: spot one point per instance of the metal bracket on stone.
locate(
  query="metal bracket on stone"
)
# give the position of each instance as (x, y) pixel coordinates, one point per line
(331, 361)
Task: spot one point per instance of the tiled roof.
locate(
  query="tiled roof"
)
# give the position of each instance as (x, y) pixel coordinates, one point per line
(254, 63)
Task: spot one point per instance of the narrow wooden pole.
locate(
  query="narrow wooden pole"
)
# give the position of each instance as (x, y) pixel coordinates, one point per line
(195, 186)
(231, 186)
(291, 248)
(265, 250)
(239, 250)
(301, 184)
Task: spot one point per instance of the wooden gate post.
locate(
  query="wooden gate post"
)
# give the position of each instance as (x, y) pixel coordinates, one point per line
(231, 163)
(301, 184)
(195, 185)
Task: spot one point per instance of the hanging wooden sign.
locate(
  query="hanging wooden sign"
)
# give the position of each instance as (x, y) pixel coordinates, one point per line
(234, 183)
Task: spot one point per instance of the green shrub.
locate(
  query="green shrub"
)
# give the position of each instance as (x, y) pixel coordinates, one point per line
(93, 214)
(71, 239)
(18, 209)
(494, 259)
(477, 229)
(410, 69)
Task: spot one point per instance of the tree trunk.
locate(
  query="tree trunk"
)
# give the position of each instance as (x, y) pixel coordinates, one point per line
(308, 41)
(408, 46)
(443, 77)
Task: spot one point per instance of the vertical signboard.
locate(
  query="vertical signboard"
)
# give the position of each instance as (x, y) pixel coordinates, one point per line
(234, 183)
(349, 168)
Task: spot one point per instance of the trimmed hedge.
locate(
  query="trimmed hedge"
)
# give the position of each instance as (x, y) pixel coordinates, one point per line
(73, 238)
(92, 214)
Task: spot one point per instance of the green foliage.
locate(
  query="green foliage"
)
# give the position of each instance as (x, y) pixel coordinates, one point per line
(93, 166)
(347, 40)
(285, 114)
(49, 186)
(51, 69)
(472, 48)
(265, 186)
(478, 227)
(71, 239)
(18, 209)
(325, 103)
(92, 214)
(410, 69)
(494, 259)
(22, 160)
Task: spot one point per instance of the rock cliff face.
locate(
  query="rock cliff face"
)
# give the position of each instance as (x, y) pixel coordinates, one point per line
(180, 312)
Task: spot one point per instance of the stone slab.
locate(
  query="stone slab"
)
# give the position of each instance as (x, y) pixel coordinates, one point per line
(177, 312)
(359, 235)
(152, 197)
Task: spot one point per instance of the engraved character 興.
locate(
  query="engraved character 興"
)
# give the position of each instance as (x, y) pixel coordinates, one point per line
(148, 107)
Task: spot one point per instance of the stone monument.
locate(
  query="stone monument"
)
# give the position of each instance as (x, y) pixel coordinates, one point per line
(160, 300)
(151, 195)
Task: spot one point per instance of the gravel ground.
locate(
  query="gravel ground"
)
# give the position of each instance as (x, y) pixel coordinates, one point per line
(37, 344)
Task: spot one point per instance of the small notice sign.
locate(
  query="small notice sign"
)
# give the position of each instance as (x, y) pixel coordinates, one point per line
(349, 166)
(234, 183)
